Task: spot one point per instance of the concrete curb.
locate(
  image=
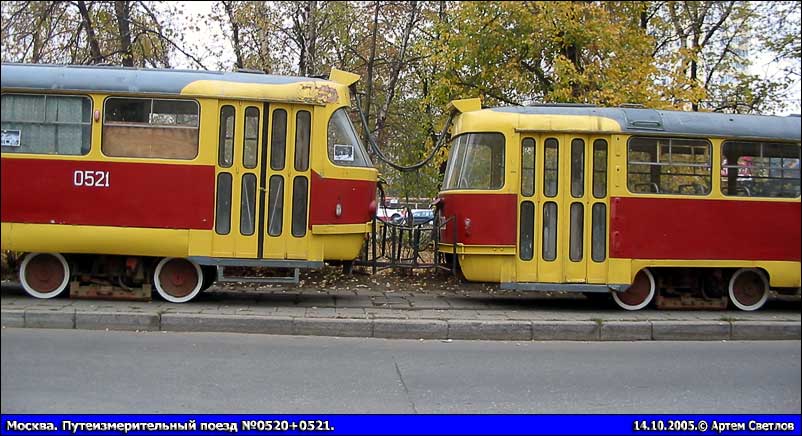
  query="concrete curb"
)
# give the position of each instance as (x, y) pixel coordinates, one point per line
(499, 330)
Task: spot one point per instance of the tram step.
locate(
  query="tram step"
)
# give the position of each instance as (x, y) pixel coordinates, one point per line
(559, 287)
(294, 279)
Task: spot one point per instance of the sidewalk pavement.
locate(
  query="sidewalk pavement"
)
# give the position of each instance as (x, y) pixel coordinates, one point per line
(475, 313)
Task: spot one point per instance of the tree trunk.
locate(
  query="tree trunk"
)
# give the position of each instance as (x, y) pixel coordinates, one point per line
(371, 62)
(122, 9)
(311, 38)
(381, 116)
(94, 47)
(229, 7)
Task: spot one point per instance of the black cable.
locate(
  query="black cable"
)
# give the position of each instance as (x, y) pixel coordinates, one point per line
(381, 155)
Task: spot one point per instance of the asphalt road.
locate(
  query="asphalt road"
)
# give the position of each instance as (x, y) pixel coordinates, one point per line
(73, 371)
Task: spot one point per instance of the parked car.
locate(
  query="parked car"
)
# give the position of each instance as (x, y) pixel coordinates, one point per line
(389, 214)
(420, 216)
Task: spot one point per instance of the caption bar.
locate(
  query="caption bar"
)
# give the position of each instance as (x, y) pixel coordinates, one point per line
(401, 424)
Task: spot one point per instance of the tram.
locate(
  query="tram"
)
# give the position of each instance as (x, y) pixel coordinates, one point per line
(679, 209)
(143, 178)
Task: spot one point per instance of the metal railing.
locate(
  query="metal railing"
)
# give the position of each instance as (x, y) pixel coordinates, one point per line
(402, 245)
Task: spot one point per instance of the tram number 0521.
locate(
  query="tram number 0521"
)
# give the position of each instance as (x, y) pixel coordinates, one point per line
(99, 179)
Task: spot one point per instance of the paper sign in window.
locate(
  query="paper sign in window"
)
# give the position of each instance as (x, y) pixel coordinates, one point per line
(344, 152)
(11, 138)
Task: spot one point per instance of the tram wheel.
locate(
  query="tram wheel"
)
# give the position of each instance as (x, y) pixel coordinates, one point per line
(749, 289)
(44, 275)
(209, 276)
(177, 280)
(639, 294)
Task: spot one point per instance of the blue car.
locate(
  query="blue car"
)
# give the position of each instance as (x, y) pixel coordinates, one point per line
(420, 216)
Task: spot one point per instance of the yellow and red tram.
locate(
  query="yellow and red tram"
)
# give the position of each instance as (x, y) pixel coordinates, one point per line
(165, 178)
(684, 209)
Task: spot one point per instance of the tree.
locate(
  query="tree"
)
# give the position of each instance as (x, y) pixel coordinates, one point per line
(129, 33)
(252, 29)
(520, 52)
(709, 47)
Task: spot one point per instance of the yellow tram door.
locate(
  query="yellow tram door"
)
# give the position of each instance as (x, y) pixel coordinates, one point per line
(239, 144)
(286, 173)
(597, 209)
(576, 208)
(549, 223)
(563, 209)
(528, 210)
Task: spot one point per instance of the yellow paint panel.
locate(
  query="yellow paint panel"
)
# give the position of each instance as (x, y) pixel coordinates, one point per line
(487, 268)
(5, 236)
(478, 249)
(200, 242)
(56, 238)
(341, 247)
(340, 229)
(343, 77)
(311, 92)
(465, 105)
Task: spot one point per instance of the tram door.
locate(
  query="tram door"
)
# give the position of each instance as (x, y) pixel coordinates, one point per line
(529, 202)
(285, 176)
(239, 143)
(562, 209)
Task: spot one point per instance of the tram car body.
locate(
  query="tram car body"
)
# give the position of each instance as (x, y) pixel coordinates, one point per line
(685, 209)
(165, 178)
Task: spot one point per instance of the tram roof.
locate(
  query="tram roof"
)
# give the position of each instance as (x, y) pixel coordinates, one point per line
(113, 79)
(640, 120)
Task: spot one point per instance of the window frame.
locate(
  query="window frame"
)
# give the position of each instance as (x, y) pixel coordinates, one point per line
(197, 128)
(222, 138)
(359, 149)
(736, 167)
(528, 173)
(670, 162)
(50, 94)
(595, 171)
(256, 140)
(303, 149)
(551, 188)
(503, 161)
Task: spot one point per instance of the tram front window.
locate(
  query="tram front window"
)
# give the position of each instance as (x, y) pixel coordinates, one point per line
(344, 146)
(476, 162)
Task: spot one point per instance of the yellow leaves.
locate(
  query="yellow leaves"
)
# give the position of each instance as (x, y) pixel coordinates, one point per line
(545, 51)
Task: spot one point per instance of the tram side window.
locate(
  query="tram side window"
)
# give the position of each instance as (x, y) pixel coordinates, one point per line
(600, 168)
(251, 137)
(760, 169)
(668, 166)
(551, 169)
(528, 167)
(302, 131)
(46, 124)
(150, 128)
(476, 162)
(344, 146)
(225, 151)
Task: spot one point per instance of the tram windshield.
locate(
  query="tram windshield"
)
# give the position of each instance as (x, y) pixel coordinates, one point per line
(476, 162)
(344, 145)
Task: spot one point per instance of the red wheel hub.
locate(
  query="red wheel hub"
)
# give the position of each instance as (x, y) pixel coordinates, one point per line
(748, 288)
(178, 277)
(638, 292)
(44, 273)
